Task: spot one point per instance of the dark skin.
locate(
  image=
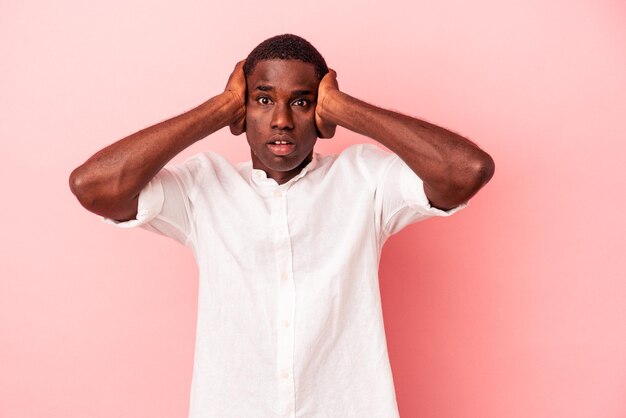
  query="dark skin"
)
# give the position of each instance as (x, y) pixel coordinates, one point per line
(284, 98)
(281, 102)
(452, 167)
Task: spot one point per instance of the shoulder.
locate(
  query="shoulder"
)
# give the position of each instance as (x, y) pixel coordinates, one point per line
(369, 159)
(205, 159)
(203, 162)
(358, 165)
(199, 171)
(366, 153)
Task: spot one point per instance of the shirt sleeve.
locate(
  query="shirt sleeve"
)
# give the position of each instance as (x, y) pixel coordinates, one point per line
(400, 199)
(164, 205)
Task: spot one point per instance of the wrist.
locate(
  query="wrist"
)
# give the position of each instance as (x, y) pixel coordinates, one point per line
(224, 109)
(235, 98)
(237, 106)
(331, 106)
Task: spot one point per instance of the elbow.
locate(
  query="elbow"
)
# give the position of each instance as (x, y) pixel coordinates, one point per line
(477, 173)
(101, 195)
(483, 169)
(90, 190)
(462, 182)
(78, 183)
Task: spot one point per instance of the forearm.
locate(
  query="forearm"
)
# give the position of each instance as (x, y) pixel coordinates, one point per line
(453, 168)
(114, 176)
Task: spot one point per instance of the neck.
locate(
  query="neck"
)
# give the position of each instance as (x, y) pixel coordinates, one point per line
(282, 177)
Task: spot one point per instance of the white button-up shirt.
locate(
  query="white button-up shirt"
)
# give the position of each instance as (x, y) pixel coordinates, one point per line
(289, 314)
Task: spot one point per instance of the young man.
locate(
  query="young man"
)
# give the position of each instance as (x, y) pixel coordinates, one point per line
(287, 244)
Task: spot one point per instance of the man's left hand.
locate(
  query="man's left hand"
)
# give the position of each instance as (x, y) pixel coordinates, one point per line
(328, 85)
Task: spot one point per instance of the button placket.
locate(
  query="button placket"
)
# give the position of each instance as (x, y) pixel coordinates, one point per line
(286, 304)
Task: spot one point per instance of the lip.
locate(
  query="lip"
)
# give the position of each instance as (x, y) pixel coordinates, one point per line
(280, 138)
(281, 149)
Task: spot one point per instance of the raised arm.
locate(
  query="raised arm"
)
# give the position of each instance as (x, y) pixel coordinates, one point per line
(452, 167)
(109, 182)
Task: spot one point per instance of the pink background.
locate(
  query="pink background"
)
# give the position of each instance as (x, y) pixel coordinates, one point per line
(515, 307)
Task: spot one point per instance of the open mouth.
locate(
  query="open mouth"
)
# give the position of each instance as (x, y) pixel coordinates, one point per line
(280, 142)
(281, 146)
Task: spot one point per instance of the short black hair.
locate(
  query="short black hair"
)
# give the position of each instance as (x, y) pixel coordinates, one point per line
(286, 47)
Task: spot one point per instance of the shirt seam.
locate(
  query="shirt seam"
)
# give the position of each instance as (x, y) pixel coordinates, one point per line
(385, 172)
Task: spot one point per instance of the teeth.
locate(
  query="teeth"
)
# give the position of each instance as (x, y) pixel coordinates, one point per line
(281, 142)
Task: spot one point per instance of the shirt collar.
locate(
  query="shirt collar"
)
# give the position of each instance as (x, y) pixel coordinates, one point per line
(259, 177)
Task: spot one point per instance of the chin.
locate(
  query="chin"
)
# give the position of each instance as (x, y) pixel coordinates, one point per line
(273, 162)
(287, 165)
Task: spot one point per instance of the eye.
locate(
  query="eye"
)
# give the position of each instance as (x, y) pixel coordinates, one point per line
(264, 100)
(301, 102)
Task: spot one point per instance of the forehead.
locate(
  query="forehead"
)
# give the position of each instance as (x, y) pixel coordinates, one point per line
(283, 74)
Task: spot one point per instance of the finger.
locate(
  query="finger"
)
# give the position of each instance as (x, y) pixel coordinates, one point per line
(334, 77)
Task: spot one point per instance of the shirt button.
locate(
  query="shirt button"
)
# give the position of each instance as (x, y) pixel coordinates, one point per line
(286, 324)
(284, 275)
(278, 193)
(285, 375)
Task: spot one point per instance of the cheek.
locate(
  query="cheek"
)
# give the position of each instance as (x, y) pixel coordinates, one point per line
(254, 120)
(252, 123)
(250, 120)
(254, 132)
(306, 122)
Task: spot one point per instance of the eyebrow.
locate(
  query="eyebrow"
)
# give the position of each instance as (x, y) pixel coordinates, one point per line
(294, 93)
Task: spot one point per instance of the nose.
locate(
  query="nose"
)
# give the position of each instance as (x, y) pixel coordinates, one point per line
(282, 118)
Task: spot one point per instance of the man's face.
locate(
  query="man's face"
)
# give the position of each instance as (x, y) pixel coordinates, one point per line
(281, 103)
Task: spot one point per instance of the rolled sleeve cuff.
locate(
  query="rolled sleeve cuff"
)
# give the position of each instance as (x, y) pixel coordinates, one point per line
(148, 207)
(412, 189)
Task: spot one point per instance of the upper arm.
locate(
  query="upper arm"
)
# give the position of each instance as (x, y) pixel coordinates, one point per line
(163, 206)
(400, 197)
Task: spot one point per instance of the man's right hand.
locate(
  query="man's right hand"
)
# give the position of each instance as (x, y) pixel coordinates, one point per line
(237, 87)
